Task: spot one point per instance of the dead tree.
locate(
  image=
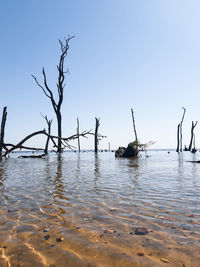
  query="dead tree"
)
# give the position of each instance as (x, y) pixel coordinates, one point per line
(60, 89)
(178, 137)
(192, 135)
(134, 128)
(108, 146)
(181, 135)
(3, 122)
(77, 131)
(49, 122)
(96, 140)
(64, 141)
(19, 145)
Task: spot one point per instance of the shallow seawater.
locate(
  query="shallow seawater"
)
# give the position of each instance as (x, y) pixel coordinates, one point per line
(83, 210)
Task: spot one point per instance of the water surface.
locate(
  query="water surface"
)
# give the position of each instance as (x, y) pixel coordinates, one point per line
(83, 209)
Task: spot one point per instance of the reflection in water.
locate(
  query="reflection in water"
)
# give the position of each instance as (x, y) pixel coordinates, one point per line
(134, 176)
(96, 170)
(58, 194)
(2, 174)
(82, 210)
(58, 180)
(78, 169)
(180, 158)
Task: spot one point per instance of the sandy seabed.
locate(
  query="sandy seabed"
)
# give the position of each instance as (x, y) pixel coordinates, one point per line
(52, 240)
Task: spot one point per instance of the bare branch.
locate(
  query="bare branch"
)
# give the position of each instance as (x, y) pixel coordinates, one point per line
(23, 141)
(64, 141)
(40, 86)
(24, 147)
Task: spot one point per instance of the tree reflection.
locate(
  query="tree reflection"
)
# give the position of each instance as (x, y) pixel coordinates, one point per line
(96, 169)
(58, 182)
(2, 174)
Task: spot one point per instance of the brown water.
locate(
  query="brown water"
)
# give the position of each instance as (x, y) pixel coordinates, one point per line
(82, 210)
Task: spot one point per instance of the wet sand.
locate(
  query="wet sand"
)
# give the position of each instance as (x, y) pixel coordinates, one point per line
(58, 239)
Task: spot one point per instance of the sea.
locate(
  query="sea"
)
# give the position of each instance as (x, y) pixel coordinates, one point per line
(87, 209)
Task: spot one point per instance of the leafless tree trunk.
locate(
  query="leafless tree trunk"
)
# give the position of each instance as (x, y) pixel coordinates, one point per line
(192, 135)
(49, 122)
(108, 146)
(134, 128)
(3, 122)
(181, 135)
(77, 130)
(96, 141)
(60, 89)
(178, 138)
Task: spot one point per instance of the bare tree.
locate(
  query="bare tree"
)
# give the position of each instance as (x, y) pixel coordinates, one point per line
(181, 135)
(49, 122)
(178, 137)
(134, 128)
(192, 134)
(77, 130)
(60, 88)
(3, 122)
(96, 140)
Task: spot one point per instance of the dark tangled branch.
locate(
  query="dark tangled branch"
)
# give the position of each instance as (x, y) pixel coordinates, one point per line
(64, 141)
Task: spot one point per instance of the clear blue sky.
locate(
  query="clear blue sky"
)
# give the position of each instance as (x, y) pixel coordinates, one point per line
(142, 54)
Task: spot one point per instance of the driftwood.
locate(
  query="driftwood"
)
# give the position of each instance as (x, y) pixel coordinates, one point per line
(33, 156)
(60, 89)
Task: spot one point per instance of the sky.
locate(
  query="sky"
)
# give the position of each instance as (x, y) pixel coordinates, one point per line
(142, 54)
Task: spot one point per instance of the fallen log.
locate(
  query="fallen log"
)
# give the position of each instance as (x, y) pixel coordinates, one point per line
(33, 156)
(193, 161)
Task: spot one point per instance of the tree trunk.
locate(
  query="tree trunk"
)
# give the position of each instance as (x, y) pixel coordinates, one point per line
(3, 122)
(178, 131)
(134, 125)
(192, 135)
(77, 130)
(181, 135)
(49, 122)
(59, 119)
(60, 88)
(96, 135)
